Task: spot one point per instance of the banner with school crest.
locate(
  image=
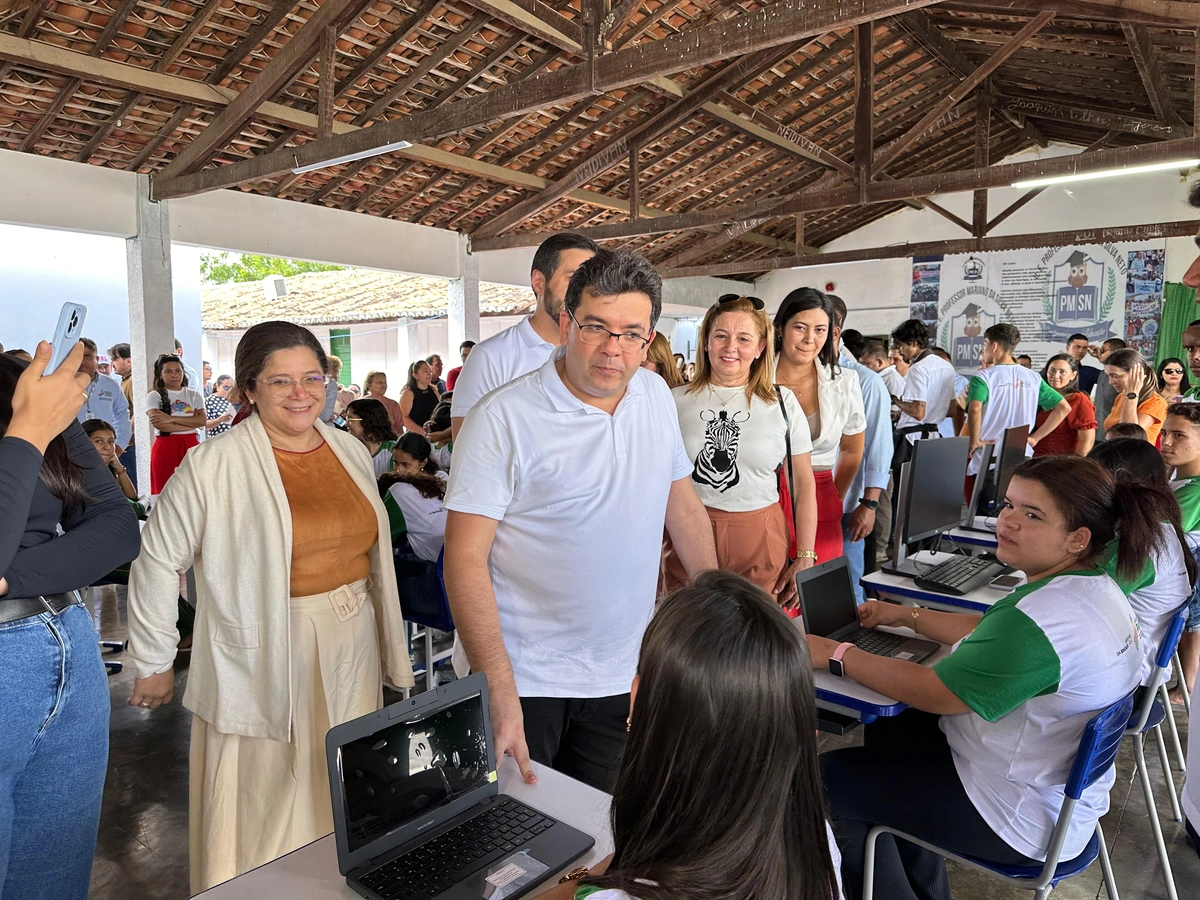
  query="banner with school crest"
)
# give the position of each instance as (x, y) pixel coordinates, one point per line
(1099, 290)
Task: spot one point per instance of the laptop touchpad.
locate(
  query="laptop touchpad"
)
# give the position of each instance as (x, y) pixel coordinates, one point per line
(506, 877)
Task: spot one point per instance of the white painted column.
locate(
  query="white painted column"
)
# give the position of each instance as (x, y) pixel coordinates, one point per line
(151, 311)
(463, 302)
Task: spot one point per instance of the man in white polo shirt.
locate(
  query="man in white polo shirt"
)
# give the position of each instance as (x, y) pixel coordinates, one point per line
(525, 346)
(563, 480)
(928, 389)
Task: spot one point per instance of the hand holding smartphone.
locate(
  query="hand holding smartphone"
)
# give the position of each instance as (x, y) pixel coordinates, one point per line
(68, 331)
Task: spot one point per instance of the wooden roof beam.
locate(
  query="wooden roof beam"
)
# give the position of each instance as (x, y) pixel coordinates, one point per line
(615, 151)
(821, 197)
(1169, 13)
(770, 26)
(965, 245)
(1141, 45)
(294, 56)
(537, 18)
(1077, 115)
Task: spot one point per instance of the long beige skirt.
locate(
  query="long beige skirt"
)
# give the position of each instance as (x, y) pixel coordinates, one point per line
(253, 799)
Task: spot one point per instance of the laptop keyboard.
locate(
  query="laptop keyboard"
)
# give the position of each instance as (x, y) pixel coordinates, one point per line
(880, 643)
(436, 865)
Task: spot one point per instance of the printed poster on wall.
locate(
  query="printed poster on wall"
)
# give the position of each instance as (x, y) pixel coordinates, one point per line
(1099, 290)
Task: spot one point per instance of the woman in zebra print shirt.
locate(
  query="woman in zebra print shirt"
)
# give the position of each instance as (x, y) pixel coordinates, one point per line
(737, 428)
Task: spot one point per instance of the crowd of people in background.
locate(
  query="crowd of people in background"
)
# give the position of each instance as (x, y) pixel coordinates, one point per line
(578, 479)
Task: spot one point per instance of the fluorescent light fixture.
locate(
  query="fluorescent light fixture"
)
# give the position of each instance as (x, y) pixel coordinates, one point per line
(351, 157)
(1111, 173)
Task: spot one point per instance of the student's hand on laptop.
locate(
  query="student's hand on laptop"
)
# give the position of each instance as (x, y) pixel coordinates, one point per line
(874, 613)
(508, 723)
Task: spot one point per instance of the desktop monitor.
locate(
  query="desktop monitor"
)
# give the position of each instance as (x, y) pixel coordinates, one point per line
(935, 487)
(1012, 451)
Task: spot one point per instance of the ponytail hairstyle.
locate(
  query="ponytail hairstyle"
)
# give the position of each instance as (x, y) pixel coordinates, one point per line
(164, 401)
(1088, 496)
(1135, 461)
(1129, 360)
(426, 482)
(62, 476)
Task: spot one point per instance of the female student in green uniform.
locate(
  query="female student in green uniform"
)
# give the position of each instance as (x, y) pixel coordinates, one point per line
(979, 764)
(1181, 453)
(1169, 576)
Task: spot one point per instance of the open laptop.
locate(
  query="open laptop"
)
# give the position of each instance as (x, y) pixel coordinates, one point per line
(417, 811)
(829, 610)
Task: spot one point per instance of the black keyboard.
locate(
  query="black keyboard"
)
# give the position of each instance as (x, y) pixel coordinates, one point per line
(879, 642)
(960, 576)
(438, 864)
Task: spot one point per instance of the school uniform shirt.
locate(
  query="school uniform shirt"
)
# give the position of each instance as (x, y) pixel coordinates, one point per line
(930, 379)
(424, 518)
(1040, 663)
(734, 447)
(840, 405)
(381, 459)
(106, 401)
(946, 426)
(1153, 406)
(1187, 494)
(185, 402)
(1155, 593)
(1011, 396)
(513, 352)
(580, 498)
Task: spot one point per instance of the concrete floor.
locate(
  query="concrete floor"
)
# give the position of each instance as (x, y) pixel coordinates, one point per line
(142, 851)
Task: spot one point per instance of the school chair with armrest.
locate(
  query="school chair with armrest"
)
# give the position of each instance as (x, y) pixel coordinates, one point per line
(1097, 751)
(1154, 709)
(423, 602)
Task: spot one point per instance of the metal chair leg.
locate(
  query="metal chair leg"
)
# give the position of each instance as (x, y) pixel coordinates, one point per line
(1110, 880)
(1168, 777)
(430, 677)
(1187, 700)
(1155, 827)
(1165, 697)
(868, 889)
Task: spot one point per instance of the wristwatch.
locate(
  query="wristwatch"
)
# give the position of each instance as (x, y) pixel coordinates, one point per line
(869, 504)
(835, 661)
(1131, 396)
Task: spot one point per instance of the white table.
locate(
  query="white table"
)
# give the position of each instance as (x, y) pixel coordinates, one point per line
(976, 540)
(902, 588)
(312, 871)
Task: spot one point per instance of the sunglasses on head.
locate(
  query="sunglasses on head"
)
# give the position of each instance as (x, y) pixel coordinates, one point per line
(734, 298)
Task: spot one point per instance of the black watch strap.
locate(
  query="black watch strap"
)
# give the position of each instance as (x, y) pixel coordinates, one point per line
(869, 504)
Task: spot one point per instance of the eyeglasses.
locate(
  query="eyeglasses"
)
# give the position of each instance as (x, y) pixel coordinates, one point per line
(282, 387)
(595, 334)
(1172, 371)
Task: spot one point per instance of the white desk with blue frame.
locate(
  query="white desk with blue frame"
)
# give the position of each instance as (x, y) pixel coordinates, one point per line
(902, 588)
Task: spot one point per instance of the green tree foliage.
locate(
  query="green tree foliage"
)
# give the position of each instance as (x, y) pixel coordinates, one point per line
(223, 268)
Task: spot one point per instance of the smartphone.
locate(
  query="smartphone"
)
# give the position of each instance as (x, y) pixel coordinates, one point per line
(1006, 581)
(66, 334)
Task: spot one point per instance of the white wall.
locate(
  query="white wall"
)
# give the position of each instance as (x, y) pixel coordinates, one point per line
(876, 293)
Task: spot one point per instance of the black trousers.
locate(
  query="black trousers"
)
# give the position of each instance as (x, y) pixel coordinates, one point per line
(580, 738)
(905, 778)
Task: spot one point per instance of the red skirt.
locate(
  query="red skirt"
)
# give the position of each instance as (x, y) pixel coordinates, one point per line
(166, 453)
(829, 518)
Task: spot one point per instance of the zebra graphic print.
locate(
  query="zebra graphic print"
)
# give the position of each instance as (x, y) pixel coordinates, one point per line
(716, 463)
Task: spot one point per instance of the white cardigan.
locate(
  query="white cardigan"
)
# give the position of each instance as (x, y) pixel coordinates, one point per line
(226, 513)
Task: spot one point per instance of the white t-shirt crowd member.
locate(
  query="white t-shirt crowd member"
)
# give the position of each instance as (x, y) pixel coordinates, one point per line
(424, 517)
(184, 402)
(893, 381)
(572, 489)
(931, 379)
(840, 412)
(1011, 396)
(510, 354)
(736, 447)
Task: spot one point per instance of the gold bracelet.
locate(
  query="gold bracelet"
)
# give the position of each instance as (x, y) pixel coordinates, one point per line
(575, 874)
(807, 554)
(916, 617)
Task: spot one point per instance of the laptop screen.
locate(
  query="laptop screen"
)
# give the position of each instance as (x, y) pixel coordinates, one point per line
(407, 769)
(827, 598)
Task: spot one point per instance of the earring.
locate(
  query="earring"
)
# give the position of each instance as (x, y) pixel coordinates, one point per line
(628, 723)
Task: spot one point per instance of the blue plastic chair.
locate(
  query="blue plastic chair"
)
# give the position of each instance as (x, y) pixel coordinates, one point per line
(1155, 708)
(423, 602)
(1097, 751)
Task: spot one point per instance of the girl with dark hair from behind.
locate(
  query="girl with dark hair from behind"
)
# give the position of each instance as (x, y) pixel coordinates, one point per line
(412, 494)
(979, 765)
(722, 677)
(1169, 575)
(64, 526)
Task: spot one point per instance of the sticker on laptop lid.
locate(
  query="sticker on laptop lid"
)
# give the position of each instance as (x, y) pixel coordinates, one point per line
(491, 776)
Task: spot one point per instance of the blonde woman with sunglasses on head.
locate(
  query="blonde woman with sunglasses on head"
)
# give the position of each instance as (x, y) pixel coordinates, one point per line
(297, 614)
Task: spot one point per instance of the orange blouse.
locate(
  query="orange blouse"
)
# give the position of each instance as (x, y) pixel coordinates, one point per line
(333, 524)
(1153, 406)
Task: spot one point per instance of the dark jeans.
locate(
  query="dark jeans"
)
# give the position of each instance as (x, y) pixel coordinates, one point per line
(580, 738)
(905, 778)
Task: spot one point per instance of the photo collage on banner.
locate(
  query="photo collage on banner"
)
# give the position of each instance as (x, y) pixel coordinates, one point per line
(1100, 290)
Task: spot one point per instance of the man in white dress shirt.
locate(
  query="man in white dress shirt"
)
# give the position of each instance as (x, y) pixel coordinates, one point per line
(562, 483)
(528, 344)
(928, 389)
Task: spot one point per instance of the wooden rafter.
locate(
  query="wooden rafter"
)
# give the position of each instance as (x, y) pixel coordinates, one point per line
(983, 137)
(882, 191)
(1078, 115)
(1172, 13)
(1141, 46)
(537, 18)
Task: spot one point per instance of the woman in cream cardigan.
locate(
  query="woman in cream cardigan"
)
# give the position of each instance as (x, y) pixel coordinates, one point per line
(297, 617)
